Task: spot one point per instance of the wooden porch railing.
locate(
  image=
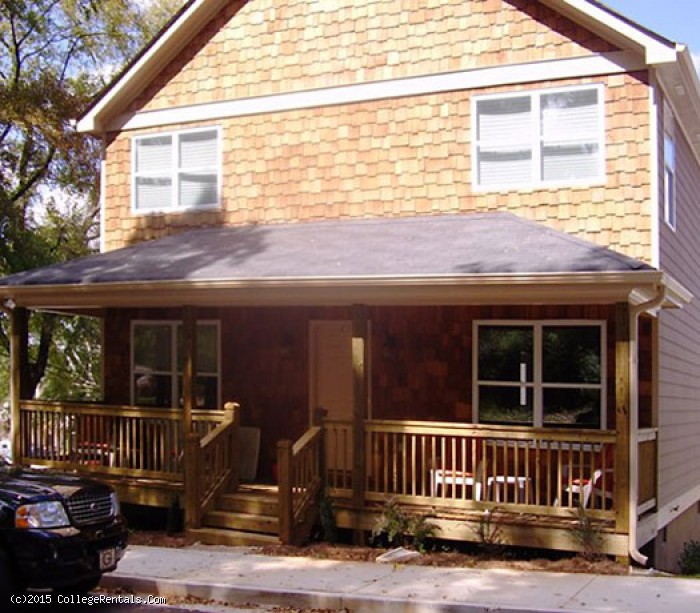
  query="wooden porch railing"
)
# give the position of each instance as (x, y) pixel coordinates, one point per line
(300, 472)
(118, 440)
(647, 476)
(212, 465)
(541, 470)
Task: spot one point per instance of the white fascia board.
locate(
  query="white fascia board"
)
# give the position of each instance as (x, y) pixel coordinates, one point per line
(542, 288)
(681, 88)
(496, 76)
(161, 51)
(656, 50)
(675, 508)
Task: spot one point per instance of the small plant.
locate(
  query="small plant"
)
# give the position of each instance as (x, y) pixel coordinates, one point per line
(396, 528)
(689, 560)
(587, 534)
(421, 530)
(326, 516)
(391, 526)
(489, 531)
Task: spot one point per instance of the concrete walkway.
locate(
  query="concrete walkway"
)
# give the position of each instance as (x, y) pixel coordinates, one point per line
(237, 574)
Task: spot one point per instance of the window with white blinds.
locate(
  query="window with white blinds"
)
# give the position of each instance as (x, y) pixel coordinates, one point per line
(545, 137)
(176, 171)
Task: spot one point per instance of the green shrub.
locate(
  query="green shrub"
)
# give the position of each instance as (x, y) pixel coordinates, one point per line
(689, 560)
(396, 528)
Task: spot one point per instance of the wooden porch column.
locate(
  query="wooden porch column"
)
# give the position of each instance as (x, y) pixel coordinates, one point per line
(19, 373)
(192, 439)
(622, 418)
(318, 417)
(232, 414)
(360, 406)
(286, 502)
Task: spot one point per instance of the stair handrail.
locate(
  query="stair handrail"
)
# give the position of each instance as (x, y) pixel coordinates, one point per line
(300, 474)
(214, 465)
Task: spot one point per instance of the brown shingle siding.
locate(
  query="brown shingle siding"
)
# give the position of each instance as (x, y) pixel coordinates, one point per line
(400, 157)
(272, 46)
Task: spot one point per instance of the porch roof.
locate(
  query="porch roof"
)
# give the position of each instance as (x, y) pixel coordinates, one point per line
(298, 262)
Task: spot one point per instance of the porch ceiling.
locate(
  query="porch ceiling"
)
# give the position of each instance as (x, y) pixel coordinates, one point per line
(455, 259)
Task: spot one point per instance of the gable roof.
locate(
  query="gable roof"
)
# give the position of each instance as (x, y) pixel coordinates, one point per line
(195, 14)
(448, 251)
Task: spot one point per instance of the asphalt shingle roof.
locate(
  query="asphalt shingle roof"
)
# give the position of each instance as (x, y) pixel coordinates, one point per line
(495, 243)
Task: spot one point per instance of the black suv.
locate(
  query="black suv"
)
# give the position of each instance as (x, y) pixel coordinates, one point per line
(57, 531)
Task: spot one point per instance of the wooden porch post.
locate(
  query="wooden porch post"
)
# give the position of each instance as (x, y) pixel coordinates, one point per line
(360, 406)
(286, 502)
(192, 439)
(622, 418)
(319, 415)
(19, 352)
(232, 413)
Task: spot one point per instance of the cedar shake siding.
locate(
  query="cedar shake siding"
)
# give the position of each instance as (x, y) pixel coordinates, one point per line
(271, 46)
(403, 156)
(421, 360)
(679, 331)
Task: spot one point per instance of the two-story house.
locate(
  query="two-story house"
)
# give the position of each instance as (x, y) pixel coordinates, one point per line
(466, 229)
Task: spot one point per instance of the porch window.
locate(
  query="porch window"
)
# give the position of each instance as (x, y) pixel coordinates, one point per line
(540, 374)
(176, 171)
(540, 138)
(157, 364)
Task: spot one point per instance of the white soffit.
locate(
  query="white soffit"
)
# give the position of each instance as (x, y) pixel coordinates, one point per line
(157, 55)
(616, 29)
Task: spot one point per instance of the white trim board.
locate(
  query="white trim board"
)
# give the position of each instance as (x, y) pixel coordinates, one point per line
(618, 62)
(650, 526)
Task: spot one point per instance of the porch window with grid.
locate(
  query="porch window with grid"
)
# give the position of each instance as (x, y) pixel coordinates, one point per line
(540, 374)
(157, 364)
(176, 171)
(540, 138)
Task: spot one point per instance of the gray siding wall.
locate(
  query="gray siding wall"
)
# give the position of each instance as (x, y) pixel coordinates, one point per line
(679, 332)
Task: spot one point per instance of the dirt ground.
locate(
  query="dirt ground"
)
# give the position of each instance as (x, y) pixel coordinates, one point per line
(501, 557)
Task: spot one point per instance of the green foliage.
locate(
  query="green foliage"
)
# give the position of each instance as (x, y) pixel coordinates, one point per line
(329, 528)
(397, 528)
(421, 531)
(489, 531)
(689, 560)
(55, 57)
(587, 534)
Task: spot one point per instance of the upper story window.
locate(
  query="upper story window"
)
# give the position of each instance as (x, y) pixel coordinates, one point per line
(176, 171)
(669, 180)
(539, 138)
(546, 373)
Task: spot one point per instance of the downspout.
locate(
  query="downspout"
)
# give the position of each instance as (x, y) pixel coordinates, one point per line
(634, 313)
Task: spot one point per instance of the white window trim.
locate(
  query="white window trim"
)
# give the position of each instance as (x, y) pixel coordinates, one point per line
(535, 96)
(174, 170)
(537, 384)
(670, 203)
(174, 324)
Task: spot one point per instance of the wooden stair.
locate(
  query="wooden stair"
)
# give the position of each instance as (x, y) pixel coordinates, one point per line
(248, 517)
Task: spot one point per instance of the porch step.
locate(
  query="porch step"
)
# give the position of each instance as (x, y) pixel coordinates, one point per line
(248, 522)
(255, 503)
(222, 536)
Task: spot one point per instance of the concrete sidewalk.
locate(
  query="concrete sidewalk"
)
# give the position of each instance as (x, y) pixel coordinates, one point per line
(237, 574)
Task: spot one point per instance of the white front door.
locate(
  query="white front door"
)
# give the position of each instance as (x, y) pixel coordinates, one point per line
(331, 388)
(331, 368)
